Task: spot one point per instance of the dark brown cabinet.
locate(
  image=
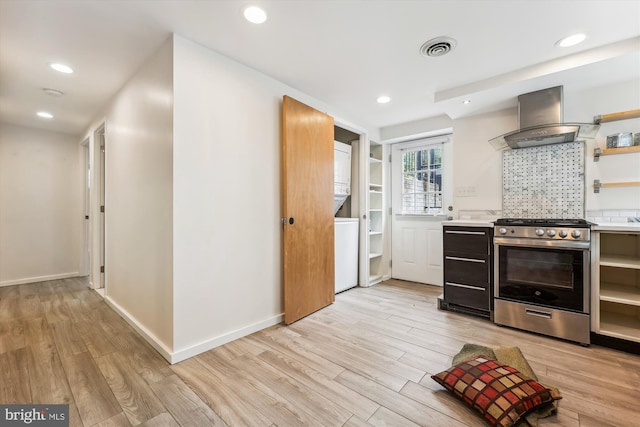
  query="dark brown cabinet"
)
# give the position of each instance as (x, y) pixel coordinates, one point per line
(468, 269)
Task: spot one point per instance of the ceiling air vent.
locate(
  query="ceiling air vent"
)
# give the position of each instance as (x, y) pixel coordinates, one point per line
(438, 47)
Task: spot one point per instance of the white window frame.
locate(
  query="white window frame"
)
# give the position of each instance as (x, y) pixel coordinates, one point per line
(397, 151)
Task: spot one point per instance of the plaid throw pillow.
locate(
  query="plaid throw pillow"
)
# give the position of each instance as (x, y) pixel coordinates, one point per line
(499, 392)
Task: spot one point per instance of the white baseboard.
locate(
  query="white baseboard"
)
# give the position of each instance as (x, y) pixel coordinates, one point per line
(180, 355)
(144, 332)
(39, 279)
(209, 344)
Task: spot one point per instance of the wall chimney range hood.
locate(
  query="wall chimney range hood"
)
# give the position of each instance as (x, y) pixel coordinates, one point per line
(540, 120)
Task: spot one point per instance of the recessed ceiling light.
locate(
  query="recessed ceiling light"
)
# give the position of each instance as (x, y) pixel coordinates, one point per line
(44, 115)
(466, 101)
(52, 92)
(571, 40)
(61, 67)
(383, 99)
(254, 14)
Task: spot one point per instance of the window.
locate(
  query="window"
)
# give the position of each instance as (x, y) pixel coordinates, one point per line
(418, 176)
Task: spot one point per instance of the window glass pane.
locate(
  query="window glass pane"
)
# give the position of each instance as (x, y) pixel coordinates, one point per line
(422, 160)
(422, 180)
(435, 181)
(408, 183)
(409, 162)
(408, 203)
(435, 158)
(434, 200)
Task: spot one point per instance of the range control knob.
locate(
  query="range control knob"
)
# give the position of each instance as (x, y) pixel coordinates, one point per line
(551, 233)
(502, 230)
(563, 233)
(540, 232)
(575, 234)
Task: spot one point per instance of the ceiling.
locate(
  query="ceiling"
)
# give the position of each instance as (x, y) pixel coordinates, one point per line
(343, 52)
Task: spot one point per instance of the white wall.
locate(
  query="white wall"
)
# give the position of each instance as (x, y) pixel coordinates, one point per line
(478, 166)
(40, 205)
(227, 198)
(193, 198)
(139, 203)
(621, 96)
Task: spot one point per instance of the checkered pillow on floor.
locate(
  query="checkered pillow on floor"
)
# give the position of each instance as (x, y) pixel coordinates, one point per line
(499, 392)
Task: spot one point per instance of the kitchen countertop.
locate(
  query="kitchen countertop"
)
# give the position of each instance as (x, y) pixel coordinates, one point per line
(470, 223)
(617, 226)
(613, 226)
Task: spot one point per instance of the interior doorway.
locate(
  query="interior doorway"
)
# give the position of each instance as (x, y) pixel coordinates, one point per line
(100, 143)
(94, 208)
(86, 209)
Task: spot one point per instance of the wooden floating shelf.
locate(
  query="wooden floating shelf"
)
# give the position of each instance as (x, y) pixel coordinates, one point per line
(597, 152)
(623, 115)
(597, 185)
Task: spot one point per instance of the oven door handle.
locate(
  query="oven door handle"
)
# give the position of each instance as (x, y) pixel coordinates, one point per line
(533, 243)
(544, 314)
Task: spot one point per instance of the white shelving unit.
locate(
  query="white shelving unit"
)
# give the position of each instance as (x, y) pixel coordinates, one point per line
(616, 284)
(376, 218)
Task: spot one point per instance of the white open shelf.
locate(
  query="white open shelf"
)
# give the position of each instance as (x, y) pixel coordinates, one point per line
(376, 213)
(620, 326)
(376, 278)
(620, 261)
(621, 294)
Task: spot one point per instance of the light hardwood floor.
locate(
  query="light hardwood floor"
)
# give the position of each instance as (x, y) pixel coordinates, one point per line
(366, 360)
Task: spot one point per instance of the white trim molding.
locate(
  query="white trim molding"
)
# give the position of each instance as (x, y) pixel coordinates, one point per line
(144, 332)
(185, 353)
(209, 344)
(40, 279)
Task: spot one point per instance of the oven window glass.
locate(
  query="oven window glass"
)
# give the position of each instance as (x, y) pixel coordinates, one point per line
(550, 269)
(550, 277)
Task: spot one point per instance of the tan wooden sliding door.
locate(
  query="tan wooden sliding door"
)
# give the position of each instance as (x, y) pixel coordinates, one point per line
(307, 180)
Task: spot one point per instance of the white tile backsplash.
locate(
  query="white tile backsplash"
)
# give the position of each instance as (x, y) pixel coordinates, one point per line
(544, 182)
(613, 216)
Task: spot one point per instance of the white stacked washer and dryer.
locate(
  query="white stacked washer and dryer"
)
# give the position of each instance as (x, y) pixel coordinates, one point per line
(346, 229)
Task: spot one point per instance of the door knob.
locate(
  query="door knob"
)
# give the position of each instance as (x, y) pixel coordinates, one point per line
(291, 221)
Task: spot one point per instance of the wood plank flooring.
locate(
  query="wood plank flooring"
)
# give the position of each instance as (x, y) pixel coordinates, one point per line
(364, 361)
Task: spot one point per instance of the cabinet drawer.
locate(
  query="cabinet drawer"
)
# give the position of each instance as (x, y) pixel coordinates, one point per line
(467, 240)
(466, 270)
(468, 296)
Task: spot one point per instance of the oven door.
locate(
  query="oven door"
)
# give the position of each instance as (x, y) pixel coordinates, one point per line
(543, 273)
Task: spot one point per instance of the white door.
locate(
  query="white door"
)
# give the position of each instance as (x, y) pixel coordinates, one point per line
(421, 193)
(417, 249)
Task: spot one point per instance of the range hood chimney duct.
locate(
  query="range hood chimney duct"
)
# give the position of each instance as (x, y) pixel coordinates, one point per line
(540, 119)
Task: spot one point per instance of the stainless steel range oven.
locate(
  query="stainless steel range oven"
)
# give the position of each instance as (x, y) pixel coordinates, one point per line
(542, 281)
